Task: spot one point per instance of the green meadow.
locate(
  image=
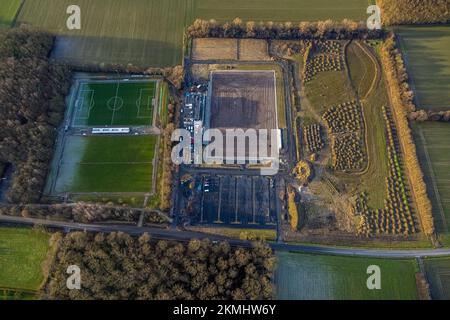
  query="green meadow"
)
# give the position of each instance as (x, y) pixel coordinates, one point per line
(313, 277)
(22, 253)
(8, 11)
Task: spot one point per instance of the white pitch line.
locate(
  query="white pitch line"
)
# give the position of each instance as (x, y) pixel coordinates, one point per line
(118, 162)
(149, 99)
(115, 101)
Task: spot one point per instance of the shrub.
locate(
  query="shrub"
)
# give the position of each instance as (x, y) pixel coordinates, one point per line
(313, 137)
(303, 171)
(293, 211)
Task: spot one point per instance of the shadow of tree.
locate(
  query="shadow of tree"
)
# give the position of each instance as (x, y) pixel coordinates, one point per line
(94, 50)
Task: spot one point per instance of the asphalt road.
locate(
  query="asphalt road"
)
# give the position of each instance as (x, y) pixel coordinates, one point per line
(171, 234)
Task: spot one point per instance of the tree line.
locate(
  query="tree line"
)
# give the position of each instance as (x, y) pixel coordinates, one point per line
(174, 75)
(414, 11)
(166, 178)
(83, 213)
(32, 91)
(328, 29)
(118, 266)
(430, 115)
(165, 184)
(394, 69)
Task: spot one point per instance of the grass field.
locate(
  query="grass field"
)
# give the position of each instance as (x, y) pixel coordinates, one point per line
(107, 164)
(428, 61)
(362, 81)
(438, 274)
(434, 153)
(239, 233)
(150, 32)
(141, 32)
(115, 103)
(22, 252)
(367, 81)
(311, 277)
(361, 69)
(163, 103)
(8, 11)
(329, 89)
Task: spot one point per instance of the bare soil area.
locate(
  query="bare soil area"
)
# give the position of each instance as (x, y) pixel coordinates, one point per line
(243, 99)
(253, 50)
(215, 49)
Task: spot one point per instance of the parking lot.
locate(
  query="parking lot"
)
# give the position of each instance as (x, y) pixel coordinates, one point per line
(234, 200)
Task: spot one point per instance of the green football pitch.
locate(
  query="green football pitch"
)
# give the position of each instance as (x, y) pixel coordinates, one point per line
(107, 164)
(115, 103)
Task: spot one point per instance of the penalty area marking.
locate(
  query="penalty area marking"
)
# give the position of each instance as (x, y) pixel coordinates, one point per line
(148, 106)
(80, 105)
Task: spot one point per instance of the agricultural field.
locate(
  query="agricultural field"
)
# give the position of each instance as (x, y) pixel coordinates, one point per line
(428, 63)
(22, 253)
(431, 139)
(140, 32)
(286, 10)
(150, 32)
(212, 48)
(115, 103)
(107, 164)
(313, 277)
(438, 275)
(253, 49)
(230, 49)
(8, 11)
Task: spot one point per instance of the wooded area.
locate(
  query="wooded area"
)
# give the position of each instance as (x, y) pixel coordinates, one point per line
(117, 266)
(32, 91)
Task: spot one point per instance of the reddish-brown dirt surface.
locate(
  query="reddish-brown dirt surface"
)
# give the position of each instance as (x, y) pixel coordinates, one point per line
(244, 100)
